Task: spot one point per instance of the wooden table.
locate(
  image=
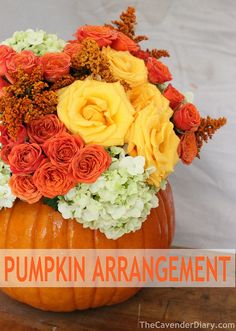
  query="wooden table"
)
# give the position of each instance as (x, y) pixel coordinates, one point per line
(151, 305)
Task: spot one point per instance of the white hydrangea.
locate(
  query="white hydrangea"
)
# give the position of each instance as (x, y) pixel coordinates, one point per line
(37, 41)
(6, 197)
(118, 202)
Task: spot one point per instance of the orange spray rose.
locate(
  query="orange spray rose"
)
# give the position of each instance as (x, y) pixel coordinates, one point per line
(174, 96)
(55, 65)
(103, 35)
(52, 180)
(187, 118)
(89, 164)
(23, 187)
(187, 149)
(158, 73)
(41, 129)
(124, 43)
(25, 158)
(62, 149)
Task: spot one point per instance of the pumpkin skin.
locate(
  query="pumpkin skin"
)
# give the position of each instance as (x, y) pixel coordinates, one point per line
(39, 226)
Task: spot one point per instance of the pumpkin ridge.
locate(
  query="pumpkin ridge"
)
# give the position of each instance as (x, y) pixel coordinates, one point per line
(33, 246)
(169, 208)
(166, 223)
(11, 290)
(8, 223)
(163, 222)
(158, 224)
(69, 246)
(170, 202)
(92, 296)
(114, 289)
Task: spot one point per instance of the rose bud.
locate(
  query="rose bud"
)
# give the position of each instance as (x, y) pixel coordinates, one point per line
(158, 73)
(187, 118)
(124, 43)
(174, 96)
(187, 149)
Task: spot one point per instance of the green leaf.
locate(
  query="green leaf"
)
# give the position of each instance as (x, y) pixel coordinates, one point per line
(51, 202)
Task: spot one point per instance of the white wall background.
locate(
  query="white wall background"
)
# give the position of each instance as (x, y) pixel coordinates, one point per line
(201, 38)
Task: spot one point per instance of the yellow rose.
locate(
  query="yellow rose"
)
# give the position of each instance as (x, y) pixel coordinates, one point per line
(125, 66)
(142, 95)
(99, 112)
(152, 136)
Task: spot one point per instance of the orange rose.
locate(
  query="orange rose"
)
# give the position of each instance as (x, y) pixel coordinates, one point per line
(72, 48)
(187, 149)
(158, 73)
(174, 96)
(51, 180)
(41, 129)
(6, 139)
(25, 60)
(62, 149)
(25, 158)
(55, 65)
(5, 53)
(23, 187)
(5, 152)
(103, 35)
(187, 118)
(8, 142)
(124, 43)
(4, 136)
(89, 164)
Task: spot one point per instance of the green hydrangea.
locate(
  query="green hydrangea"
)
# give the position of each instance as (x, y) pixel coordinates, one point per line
(118, 202)
(37, 41)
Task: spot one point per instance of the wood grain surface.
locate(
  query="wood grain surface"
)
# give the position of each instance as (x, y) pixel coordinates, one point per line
(151, 305)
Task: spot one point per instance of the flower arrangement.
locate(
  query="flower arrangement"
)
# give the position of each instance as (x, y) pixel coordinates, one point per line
(93, 126)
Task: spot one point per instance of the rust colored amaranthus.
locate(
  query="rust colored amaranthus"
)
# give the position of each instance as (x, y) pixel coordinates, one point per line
(62, 82)
(127, 24)
(90, 60)
(207, 128)
(158, 53)
(29, 97)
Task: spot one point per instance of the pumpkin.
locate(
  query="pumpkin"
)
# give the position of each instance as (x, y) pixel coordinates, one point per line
(39, 226)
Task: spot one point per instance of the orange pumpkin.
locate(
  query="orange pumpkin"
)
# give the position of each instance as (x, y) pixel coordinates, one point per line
(39, 226)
